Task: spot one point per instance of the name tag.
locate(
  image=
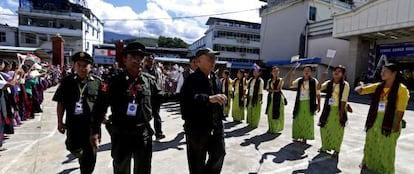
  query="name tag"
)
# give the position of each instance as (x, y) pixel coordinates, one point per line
(381, 107)
(132, 109)
(302, 95)
(78, 108)
(331, 101)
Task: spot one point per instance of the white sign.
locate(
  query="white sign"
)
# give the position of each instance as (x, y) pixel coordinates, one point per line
(330, 53)
(294, 58)
(228, 65)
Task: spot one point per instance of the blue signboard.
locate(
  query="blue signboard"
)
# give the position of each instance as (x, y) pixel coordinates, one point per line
(395, 51)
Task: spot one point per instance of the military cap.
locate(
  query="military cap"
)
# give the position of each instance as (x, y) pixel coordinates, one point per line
(135, 47)
(82, 56)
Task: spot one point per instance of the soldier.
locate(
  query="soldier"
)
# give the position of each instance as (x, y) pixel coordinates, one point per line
(129, 95)
(76, 96)
(156, 99)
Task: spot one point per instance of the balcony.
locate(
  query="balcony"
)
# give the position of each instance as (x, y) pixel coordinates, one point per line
(236, 42)
(279, 3)
(51, 31)
(235, 28)
(239, 55)
(50, 14)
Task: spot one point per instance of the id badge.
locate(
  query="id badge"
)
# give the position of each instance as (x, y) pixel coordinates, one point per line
(78, 108)
(381, 107)
(331, 101)
(132, 109)
(302, 95)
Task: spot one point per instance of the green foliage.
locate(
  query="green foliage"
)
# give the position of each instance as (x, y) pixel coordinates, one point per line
(169, 42)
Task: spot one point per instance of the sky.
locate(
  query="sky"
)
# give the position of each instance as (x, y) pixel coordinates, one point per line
(188, 29)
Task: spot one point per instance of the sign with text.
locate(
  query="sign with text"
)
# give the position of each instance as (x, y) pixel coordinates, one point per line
(395, 51)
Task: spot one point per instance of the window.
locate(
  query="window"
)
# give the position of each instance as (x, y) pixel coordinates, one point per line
(30, 38)
(2, 37)
(51, 24)
(312, 13)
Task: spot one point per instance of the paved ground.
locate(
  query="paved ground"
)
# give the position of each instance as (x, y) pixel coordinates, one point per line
(38, 148)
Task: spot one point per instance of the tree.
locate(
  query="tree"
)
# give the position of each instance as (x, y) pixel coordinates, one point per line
(169, 42)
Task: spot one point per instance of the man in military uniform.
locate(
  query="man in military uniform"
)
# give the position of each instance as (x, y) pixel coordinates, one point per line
(202, 111)
(156, 98)
(76, 96)
(129, 95)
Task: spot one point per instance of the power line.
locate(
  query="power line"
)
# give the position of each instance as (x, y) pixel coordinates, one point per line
(157, 19)
(182, 17)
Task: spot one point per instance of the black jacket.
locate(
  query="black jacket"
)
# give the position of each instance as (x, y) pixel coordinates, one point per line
(201, 116)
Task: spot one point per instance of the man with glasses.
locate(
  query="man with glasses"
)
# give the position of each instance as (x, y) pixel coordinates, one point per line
(129, 96)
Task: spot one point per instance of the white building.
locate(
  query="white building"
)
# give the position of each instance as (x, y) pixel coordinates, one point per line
(376, 29)
(237, 41)
(285, 25)
(41, 20)
(8, 35)
(304, 27)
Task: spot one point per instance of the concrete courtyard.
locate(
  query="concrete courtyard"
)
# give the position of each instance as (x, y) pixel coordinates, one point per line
(37, 147)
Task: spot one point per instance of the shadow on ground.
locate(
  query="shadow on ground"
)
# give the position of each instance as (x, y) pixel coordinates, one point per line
(70, 158)
(67, 171)
(105, 147)
(259, 139)
(238, 132)
(173, 144)
(321, 164)
(291, 152)
(229, 125)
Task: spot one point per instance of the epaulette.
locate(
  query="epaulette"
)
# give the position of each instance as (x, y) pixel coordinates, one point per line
(93, 76)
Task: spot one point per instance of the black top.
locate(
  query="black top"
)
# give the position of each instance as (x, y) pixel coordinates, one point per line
(68, 93)
(201, 116)
(118, 93)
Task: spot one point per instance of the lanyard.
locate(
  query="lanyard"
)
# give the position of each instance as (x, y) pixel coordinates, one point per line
(133, 89)
(81, 90)
(384, 94)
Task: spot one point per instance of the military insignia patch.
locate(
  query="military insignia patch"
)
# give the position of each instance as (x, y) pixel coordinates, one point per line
(104, 87)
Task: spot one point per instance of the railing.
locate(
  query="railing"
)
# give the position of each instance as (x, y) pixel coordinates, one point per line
(277, 3)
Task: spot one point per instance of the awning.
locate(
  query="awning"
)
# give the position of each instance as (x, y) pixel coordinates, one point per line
(10, 52)
(288, 62)
(241, 65)
(180, 60)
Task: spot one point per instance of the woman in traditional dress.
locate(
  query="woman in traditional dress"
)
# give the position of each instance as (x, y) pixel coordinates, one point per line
(254, 100)
(227, 89)
(275, 108)
(383, 125)
(239, 97)
(307, 102)
(334, 116)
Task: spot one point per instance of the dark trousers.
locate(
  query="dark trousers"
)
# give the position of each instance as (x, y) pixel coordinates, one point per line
(79, 145)
(157, 118)
(127, 144)
(198, 146)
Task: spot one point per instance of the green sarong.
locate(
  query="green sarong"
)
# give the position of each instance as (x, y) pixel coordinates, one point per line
(379, 150)
(332, 134)
(276, 125)
(253, 113)
(237, 111)
(303, 123)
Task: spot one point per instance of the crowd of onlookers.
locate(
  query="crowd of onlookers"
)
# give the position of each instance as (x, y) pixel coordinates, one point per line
(172, 75)
(21, 93)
